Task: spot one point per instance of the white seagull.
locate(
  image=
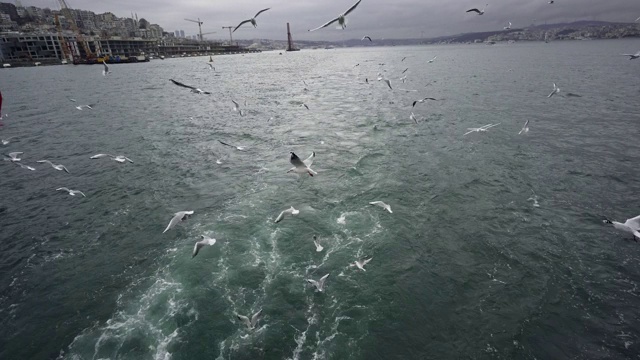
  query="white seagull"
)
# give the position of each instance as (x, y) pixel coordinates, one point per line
(179, 216)
(380, 77)
(638, 19)
(85, 106)
(382, 205)
(252, 20)
(366, 37)
(119, 158)
(239, 148)
(555, 90)
(413, 117)
(211, 66)
(631, 226)
(25, 166)
(360, 265)
(251, 324)
(481, 128)
(480, 12)
(105, 71)
(508, 27)
(289, 211)
(236, 107)
(341, 19)
(423, 100)
(305, 105)
(193, 88)
(302, 167)
(432, 60)
(57, 167)
(14, 156)
(525, 128)
(633, 56)
(71, 192)
(320, 283)
(6, 141)
(318, 246)
(202, 243)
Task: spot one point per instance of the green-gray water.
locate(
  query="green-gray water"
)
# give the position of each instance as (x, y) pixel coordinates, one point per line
(465, 267)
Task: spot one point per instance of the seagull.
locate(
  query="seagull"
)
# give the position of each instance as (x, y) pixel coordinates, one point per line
(202, 243)
(432, 60)
(551, 2)
(382, 205)
(320, 283)
(193, 89)
(482, 128)
(119, 158)
(413, 117)
(341, 19)
(71, 192)
(289, 211)
(318, 246)
(6, 141)
(555, 90)
(179, 216)
(211, 67)
(403, 59)
(72, 100)
(508, 27)
(239, 148)
(525, 128)
(251, 324)
(300, 166)
(366, 37)
(360, 265)
(630, 225)
(105, 71)
(405, 70)
(85, 106)
(480, 12)
(404, 78)
(386, 81)
(24, 166)
(638, 19)
(423, 100)
(13, 156)
(236, 107)
(252, 20)
(57, 167)
(305, 105)
(633, 56)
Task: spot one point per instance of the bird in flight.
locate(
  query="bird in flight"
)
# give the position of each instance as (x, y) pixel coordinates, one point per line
(251, 324)
(193, 88)
(480, 12)
(508, 27)
(105, 71)
(300, 166)
(554, 91)
(423, 100)
(252, 20)
(525, 128)
(632, 56)
(366, 37)
(341, 19)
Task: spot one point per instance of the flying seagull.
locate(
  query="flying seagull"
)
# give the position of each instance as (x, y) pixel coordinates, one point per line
(480, 12)
(555, 90)
(105, 71)
(305, 105)
(423, 100)
(341, 19)
(14, 156)
(193, 89)
(300, 166)
(525, 128)
(251, 324)
(289, 211)
(382, 205)
(239, 148)
(318, 246)
(79, 107)
(432, 60)
(632, 56)
(71, 192)
(57, 167)
(413, 117)
(320, 283)
(236, 107)
(211, 67)
(6, 141)
(551, 2)
(252, 20)
(508, 27)
(119, 158)
(405, 70)
(366, 37)
(202, 243)
(638, 19)
(631, 226)
(179, 216)
(386, 81)
(481, 128)
(24, 166)
(360, 264)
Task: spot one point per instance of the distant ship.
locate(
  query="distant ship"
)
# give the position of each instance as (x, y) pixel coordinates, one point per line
(290, 47)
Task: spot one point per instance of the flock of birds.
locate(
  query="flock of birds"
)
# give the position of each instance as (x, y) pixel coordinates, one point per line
(300, 166)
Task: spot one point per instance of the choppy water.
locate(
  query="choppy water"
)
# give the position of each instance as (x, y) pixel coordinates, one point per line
(465, 267)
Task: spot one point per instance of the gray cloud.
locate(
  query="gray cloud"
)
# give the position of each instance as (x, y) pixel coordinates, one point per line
(376, 18)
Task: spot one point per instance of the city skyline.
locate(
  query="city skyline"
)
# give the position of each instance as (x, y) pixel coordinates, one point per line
(375, 18)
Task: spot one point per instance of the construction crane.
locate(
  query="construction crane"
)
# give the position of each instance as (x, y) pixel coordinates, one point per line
(63, 42)
(79, 38)
(199, 26)
(230, 36)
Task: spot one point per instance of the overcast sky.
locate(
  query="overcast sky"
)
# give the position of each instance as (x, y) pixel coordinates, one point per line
(376, 18)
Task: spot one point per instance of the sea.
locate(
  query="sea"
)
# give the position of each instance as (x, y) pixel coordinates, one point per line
(495, 247)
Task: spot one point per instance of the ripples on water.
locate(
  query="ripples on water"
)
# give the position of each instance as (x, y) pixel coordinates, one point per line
(466, 266)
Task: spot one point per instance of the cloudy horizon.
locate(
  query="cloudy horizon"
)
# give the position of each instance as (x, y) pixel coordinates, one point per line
(375, 18)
